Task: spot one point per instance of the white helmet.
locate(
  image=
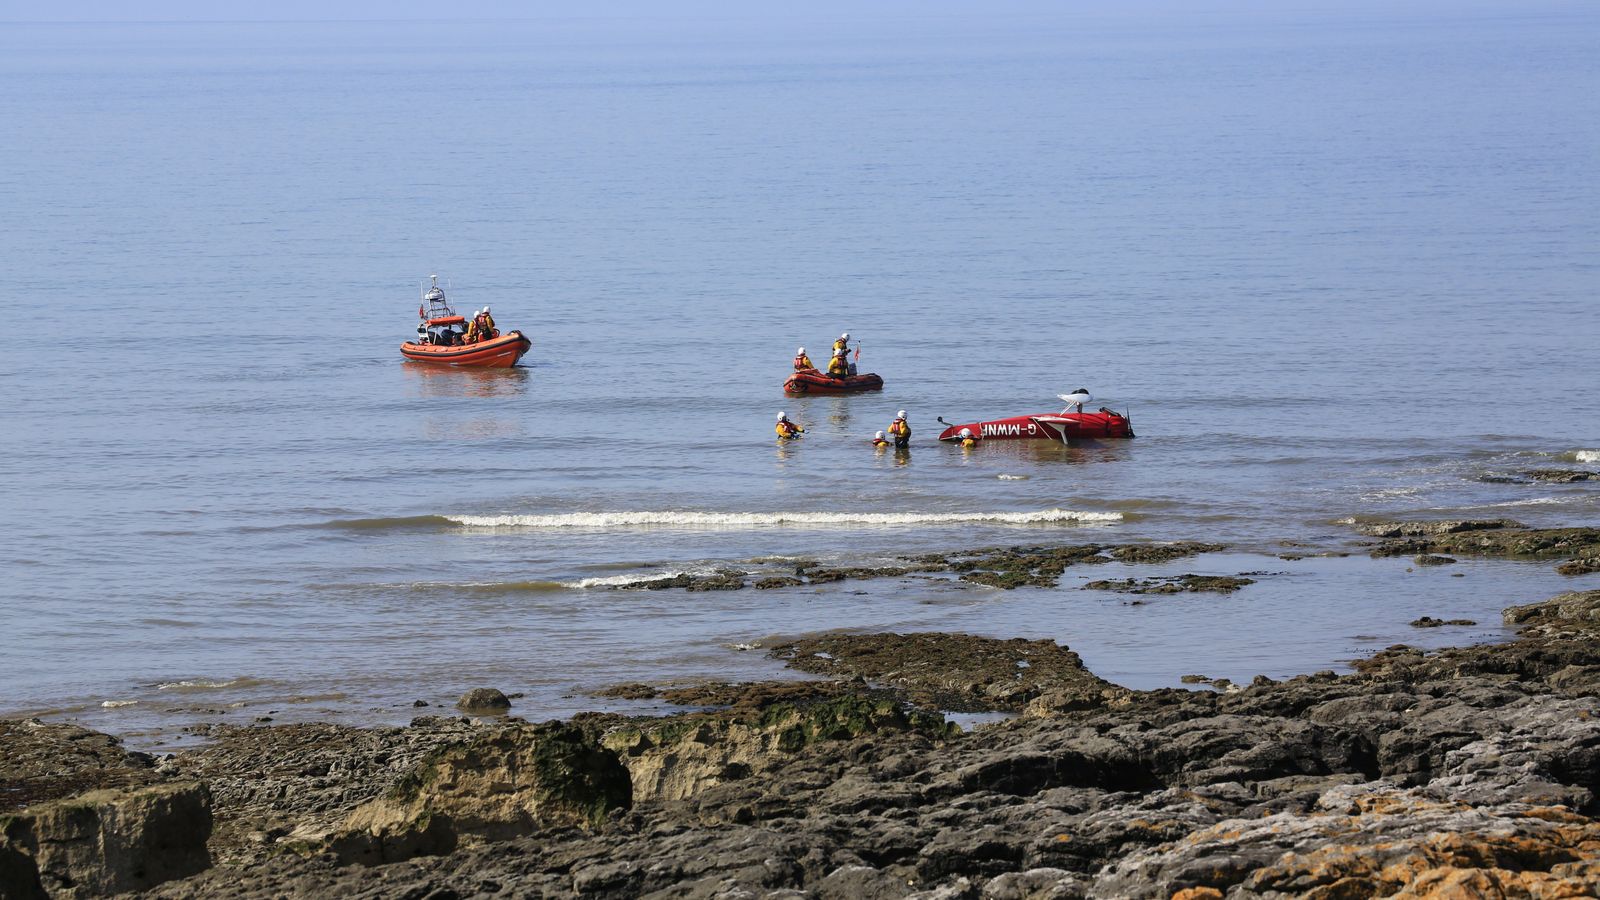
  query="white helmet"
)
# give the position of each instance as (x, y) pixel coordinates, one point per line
(879, 435)
(966, 432)
(782, 416)
(900, 415)
(800, 351)
(845, 336)
(486, 309)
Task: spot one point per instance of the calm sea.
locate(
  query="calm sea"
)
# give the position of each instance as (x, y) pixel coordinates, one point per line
(1336, 264)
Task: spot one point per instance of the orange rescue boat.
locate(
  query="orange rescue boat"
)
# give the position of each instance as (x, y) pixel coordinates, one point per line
(440, 338)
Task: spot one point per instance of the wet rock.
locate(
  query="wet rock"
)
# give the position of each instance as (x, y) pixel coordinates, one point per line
(1159, 553)
(1585, 566)
(1562, 476)
(1431, 622)
(954, 671)
(106, 841)
(1014, 567)
(828, 576)
(767, 584)
(632, 690)
(721, 581)
(483, 699)
(1432, 528)
(1580, 545)
(1428, 559)
(1172, 584)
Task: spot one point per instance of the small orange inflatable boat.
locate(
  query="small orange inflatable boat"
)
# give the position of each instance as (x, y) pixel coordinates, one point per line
(440, 338)
(815, 382)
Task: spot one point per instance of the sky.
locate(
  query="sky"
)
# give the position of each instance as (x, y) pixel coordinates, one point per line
(335, 10)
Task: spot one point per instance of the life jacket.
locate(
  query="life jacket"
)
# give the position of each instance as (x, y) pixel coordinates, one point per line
(472, 331)
(802, 363)
(879, 442)
(839, 367)
(787, 429)
(899, 428)
(969, 442)
(842, 344)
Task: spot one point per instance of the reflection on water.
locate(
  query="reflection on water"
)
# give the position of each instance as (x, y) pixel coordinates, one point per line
(481, 428)
(443, 382)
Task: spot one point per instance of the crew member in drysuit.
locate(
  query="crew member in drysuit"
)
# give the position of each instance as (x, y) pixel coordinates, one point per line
(842, 345)
(787, 429)
(802, 362)
(879, 442)
(901, 431)
(967, 440)
(472, 327)
(486, 325)
(839, 367)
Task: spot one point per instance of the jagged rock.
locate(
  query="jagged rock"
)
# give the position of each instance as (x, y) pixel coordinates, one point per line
(679, 757)
(106, 841)
(1431, 622)
(1368, 842)
(496, 785)
(483, 699)
(1429, 559)
(40, 761)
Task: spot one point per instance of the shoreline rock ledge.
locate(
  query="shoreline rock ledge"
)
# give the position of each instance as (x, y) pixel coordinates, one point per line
(1464, 772)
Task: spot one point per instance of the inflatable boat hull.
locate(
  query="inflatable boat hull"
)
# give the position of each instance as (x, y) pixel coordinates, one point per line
(818, 383)
(496, 353)
(1047, 427)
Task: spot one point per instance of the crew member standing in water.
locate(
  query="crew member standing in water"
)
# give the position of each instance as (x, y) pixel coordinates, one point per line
(802, 362)
(787, 429)
(901, 431)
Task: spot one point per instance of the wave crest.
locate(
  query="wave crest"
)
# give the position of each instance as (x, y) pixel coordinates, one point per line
(790, 520)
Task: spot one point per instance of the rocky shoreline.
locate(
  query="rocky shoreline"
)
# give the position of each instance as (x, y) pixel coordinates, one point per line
(1472, 771)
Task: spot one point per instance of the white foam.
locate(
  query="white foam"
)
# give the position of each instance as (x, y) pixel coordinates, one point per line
(1587, 456)
(792, 520)
(1012, 477)
(586, 584)
(118, 704)
(198, 684)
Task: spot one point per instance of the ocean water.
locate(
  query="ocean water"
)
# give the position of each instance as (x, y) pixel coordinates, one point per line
(1337, 264)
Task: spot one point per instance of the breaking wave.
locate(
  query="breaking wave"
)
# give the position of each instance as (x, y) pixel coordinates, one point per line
(790, 520)
(608, 581)
(1586, 455)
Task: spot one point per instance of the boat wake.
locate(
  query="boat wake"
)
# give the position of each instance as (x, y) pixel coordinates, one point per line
(672, 519)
